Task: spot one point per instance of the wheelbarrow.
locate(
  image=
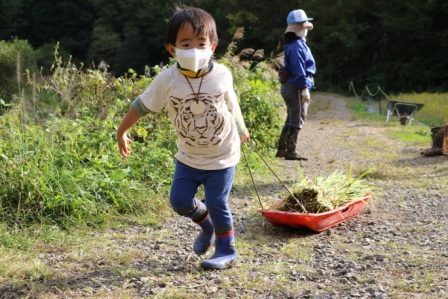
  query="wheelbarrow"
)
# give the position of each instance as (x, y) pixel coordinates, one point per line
(315, 221)
(404, 110)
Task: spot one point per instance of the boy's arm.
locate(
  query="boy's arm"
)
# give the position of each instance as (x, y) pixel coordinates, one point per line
(129, 120)
(239, 121)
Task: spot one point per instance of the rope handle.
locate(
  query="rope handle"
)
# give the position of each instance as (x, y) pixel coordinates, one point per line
(270, 168)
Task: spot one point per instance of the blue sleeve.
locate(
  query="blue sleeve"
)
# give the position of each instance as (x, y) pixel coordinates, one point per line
(300, 62)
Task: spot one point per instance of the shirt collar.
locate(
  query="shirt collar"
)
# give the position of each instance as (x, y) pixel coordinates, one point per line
(198, 74)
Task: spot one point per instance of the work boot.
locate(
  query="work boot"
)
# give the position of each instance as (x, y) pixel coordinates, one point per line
(292, 143)
(225, 253)
(282, 143)
(206, 237)
(437, 142)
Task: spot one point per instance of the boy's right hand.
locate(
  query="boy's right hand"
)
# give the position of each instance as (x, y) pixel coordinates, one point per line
(123, 141)
(123, 144)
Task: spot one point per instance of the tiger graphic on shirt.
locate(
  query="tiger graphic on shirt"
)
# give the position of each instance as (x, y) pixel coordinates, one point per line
(199, 130)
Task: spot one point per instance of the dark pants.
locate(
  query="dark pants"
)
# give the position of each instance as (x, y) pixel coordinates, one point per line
(296, 109)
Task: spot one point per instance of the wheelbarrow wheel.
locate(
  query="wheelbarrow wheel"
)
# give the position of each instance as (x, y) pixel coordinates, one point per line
(404, 120)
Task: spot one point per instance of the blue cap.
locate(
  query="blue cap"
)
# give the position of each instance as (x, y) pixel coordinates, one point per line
(297, 16)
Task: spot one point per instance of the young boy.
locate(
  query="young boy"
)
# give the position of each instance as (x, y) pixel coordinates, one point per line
(202, 105)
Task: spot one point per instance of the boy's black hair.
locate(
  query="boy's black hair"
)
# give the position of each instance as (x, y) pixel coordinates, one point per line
(201, 21)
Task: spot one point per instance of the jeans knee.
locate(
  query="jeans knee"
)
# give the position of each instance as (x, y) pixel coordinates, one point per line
(183, 211)
(192, 209)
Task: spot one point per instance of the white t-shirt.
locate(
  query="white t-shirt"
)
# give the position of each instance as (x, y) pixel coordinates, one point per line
(206, 130)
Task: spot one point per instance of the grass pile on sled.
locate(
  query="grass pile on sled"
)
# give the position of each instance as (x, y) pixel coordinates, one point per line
(322, 202)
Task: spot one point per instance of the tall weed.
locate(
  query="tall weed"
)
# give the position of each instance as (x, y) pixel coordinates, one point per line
(65, 168)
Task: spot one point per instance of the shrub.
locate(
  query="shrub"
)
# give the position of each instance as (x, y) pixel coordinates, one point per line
(16, 56)
(59, 161)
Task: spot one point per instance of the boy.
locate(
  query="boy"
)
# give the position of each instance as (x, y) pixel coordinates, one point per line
(203, 108)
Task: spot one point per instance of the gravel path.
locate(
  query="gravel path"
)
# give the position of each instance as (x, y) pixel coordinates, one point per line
(397, 248)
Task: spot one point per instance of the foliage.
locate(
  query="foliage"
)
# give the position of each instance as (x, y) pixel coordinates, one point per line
(260, 103)
(58, 155)
(69, 170)
(130, 34)
(400, 45)
(15, 56)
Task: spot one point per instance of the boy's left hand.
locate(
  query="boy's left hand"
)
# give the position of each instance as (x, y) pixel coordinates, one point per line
(244, 138)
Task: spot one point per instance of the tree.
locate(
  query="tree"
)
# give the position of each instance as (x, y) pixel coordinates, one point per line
(400, 45)
(131, 53)
(11, 18)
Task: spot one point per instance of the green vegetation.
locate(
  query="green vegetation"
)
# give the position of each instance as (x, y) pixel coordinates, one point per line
(58, 154)
(60, 163)
(15, 57)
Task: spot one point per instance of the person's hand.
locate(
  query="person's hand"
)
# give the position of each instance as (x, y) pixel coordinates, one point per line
(123, 144)
(244, 138)
(306, 97)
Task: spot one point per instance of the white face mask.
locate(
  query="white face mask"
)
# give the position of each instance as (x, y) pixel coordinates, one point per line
(302, 32)
(193, 59)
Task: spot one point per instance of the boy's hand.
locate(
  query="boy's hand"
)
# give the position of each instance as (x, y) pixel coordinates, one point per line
(123, 144)
(244, 138)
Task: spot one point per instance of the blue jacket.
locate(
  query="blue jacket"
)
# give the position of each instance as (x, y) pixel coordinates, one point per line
(300, 62)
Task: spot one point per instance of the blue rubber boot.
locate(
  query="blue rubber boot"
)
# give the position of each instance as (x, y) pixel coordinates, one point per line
(206, 236)
(225, 253)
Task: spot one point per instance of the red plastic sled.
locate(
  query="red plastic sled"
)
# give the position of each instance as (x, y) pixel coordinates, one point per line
(317, 222)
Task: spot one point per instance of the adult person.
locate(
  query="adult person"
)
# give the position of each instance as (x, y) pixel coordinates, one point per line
(296, 78)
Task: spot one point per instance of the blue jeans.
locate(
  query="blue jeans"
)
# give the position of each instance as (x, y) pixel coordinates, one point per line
(217, 186)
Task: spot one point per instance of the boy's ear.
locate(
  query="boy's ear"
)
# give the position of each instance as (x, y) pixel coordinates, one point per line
(170, 49)
(214, 46)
